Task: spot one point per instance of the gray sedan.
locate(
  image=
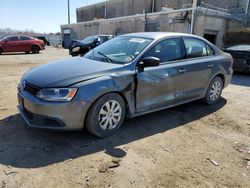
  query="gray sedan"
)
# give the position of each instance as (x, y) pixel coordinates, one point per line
(129, 75)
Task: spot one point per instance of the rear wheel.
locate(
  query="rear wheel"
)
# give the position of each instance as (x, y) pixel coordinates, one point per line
(35, 49)
(1, 51)
(106, 115)
(214, 91)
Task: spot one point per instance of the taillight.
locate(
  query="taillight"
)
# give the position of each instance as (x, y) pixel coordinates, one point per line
(230, 58)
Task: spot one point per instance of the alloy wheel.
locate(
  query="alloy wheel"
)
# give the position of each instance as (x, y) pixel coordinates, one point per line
(110, 115)
(215, 91)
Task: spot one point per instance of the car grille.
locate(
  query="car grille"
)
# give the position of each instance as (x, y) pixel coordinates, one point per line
(31, 88)
(42, 121)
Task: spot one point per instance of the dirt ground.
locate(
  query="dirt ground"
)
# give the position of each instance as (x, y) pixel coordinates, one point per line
(192, 145)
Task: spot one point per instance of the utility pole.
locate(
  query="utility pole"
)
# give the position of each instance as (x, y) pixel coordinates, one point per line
(153, 6)
(68, 13)
(247, 8)
(192, 19)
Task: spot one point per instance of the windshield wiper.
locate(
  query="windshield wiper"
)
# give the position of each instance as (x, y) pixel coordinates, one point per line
(109, 60)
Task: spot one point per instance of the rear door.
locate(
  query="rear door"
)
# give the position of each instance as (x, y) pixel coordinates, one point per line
(199, 62)
(24, 44)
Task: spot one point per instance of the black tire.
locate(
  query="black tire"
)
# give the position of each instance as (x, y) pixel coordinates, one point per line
(214, 91)
(93, 121)
(27, 52)
(1, 51)
(35, 49)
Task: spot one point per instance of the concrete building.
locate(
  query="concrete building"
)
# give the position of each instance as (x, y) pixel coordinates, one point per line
(120, 8)
(210, 20)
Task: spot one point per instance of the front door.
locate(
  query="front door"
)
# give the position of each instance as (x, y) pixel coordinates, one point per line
(11, 44)
(160, 86)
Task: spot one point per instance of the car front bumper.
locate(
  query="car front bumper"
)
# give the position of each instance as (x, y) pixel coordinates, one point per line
(52, 115)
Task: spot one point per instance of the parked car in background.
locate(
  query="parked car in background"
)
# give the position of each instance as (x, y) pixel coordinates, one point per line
(21, 44)
(127, 76)
(81, 47)
(241, 56)
(44, 39)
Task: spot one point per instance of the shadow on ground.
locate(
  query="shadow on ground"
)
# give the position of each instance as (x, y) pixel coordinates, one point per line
(241, 79)
(31, 148)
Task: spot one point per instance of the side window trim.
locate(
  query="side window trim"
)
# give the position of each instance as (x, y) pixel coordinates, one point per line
(205, 44)
(168, 62)
(24, 38)
(11, 39)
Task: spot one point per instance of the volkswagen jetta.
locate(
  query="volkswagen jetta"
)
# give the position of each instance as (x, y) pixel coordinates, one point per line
(127, 76)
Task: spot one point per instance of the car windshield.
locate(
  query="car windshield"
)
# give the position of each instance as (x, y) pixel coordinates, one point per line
(240, 47)
(88, 39)
(120, 50)
(3, 38)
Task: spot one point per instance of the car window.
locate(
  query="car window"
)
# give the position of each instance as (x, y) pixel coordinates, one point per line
(196, 48)
(210, 51)
(166, 50)
(4, 39)
(89, 39)
(24, 38)
(110, 37)
(102, 39)
(12, 39)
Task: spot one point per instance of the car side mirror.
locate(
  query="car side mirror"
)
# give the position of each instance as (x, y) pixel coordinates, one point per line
(150, 62)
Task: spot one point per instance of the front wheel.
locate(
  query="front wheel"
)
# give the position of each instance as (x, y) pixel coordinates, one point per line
(214, 91)
(106, 115)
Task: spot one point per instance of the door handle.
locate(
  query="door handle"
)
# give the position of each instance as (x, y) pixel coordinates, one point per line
(211, 66)
(182, 70)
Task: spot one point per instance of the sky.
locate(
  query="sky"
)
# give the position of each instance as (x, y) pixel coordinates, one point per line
(43, 16)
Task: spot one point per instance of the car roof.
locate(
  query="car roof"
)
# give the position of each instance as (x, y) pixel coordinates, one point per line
(158, 35)
(240, 47)
(97, 35)
(102, 35)
(18, 36)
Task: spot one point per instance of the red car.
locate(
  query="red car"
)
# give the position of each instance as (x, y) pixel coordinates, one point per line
(21, 44)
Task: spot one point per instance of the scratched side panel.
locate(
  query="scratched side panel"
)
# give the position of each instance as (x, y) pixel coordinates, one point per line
(156, 87)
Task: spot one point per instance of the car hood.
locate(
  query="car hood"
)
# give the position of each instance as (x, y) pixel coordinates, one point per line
(66, 72)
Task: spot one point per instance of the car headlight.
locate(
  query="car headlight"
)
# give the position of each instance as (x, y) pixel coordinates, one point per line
(76, 49)
(57, 94)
